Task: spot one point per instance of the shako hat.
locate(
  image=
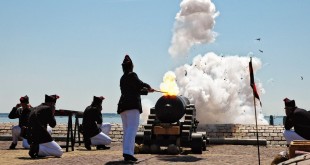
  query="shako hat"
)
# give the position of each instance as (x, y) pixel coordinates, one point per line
(127, 64)
(289, 103)
(51, 98)
(24, 99)
(98, 100)
(127, 60)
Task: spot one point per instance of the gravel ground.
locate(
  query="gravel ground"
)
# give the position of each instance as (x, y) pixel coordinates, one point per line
(215, 155)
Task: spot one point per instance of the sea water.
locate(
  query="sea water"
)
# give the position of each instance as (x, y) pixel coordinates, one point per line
(107, 117)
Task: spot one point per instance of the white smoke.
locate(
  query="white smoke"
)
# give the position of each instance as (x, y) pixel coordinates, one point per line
(194, 25)
(220, 88)
(146, 107)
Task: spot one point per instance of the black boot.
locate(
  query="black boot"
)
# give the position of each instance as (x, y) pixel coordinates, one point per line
(13, 145)
(102, 147)
(87, 143)
(34, 150)
(130, 158)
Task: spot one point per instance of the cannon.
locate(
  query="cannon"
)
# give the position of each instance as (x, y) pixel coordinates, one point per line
(172, 122)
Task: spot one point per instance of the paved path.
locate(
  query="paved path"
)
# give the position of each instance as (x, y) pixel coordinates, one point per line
(215, 155)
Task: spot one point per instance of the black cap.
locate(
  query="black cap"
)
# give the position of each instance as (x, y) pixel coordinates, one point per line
(289, 103)
(24, 99)
(127, 64)
(98, 100)
(51, 98)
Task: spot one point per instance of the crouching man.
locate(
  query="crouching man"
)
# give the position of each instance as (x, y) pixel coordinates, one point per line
(94, 131)
(20, 111)
(39, 138)
(297, 118)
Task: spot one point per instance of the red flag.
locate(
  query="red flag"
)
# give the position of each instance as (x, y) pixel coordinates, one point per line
(252, 83)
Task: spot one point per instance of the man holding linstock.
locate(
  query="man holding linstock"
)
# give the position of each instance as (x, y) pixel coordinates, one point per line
(130, 107)
(297, 118)
(39, 137)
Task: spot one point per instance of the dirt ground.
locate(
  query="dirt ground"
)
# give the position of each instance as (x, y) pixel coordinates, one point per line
(215, 155)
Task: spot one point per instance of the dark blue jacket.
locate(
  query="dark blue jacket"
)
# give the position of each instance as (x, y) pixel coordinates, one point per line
(39, 118)
(131, 89)
(300, 120)
(91, 117)
(21, 114)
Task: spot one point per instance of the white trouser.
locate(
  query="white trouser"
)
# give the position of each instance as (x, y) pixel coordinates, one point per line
(102, 138)
(16, 130)
(25, 144)
(49, 130)
(50, 149)
(291, 135)
(130, 120)
(105, 128)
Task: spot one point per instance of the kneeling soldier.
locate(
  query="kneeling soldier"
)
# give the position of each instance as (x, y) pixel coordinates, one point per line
(39, 138)
(94, 131)
(20, 111)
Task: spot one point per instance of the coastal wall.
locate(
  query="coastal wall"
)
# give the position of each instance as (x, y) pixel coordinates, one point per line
(273, 134)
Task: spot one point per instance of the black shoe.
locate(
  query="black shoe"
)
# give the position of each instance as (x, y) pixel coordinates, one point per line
(102, 147)
(13, 145)
(87, 144)
(128, 157)
(33, 151)
(87, 147)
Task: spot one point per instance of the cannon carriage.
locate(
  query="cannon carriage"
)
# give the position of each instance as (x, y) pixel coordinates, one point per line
(172, 122)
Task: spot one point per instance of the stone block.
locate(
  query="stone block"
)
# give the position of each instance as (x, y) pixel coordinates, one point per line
(273, 134)
(277, 138)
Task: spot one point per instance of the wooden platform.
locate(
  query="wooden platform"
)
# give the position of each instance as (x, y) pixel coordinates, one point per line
(300, 145)
(173, 130)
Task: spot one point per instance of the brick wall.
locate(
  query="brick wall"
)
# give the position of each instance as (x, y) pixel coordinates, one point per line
(273, 134)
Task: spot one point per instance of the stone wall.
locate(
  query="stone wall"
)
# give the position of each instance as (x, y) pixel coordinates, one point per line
(273, 134)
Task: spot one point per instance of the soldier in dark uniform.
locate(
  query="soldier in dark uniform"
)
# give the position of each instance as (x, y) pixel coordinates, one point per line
(94, 131)
(129, 106)
(297, 118)
(20, 111)
(39, 138)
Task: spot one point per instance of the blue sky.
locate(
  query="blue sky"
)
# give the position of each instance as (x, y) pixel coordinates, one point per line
(75, 48)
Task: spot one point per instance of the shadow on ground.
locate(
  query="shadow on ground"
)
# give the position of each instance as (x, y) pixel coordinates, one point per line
(182, 158)
(119, 163)
(29, 158)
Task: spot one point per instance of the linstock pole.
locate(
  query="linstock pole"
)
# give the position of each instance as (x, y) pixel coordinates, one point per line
(258, 153)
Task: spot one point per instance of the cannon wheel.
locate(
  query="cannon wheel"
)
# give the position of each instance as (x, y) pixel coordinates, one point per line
(139, 138)
(152, 116)
(205, 141)
(147, 137)
(204, 145)
(197, 143)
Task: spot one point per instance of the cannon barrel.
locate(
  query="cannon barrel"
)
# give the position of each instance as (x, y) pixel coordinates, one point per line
(170, 109)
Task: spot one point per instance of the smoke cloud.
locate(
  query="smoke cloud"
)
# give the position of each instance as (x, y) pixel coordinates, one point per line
(146, 106)
(194, 24)
(219, 87)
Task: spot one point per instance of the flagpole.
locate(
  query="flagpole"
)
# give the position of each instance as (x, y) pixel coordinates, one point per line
(258, 153)
(255, 95)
